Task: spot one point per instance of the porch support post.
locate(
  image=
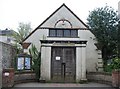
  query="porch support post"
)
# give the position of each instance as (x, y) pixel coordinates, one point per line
(83, 61)
(45, 63)
(78, 64)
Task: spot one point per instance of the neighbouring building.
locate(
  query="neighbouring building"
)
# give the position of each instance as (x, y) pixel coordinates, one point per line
(5, 36)
(67, 47)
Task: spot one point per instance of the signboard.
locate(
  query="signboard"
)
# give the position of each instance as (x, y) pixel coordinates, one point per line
(27, 63)
(6, 74)
(57, 58)
(20, 64)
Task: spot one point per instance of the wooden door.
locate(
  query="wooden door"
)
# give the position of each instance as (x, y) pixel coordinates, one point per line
(63, 64)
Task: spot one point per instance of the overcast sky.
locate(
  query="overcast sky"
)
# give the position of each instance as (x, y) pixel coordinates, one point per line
(36, 11)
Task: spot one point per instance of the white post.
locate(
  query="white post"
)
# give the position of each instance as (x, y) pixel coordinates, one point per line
(78, 63)
(83, 57)
(45, 63)
(1, 66)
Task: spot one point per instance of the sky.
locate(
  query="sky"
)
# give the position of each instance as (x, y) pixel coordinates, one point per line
(12, 12)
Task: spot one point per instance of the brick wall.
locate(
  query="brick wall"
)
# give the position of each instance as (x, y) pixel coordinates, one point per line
(24, 76)
(116, 78)
(100, 77)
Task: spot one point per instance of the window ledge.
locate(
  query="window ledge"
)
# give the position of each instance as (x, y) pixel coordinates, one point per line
(61, 37)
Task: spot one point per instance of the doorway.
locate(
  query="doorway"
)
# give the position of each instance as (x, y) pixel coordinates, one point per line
(63, 64)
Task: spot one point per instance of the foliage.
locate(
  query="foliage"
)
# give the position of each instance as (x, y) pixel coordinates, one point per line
(36, 59)
(103, 23)
(108, 68)
(15, 63)
(23, 31)
(115, 64)
(118, 39)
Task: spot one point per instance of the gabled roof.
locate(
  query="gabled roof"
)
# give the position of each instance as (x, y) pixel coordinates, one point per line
(63, 5)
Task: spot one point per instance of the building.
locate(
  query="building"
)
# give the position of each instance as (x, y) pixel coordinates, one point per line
(5, 36)
(67, 47)
(119, 9)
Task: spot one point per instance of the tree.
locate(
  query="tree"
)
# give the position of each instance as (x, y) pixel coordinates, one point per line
(118, 39)
(103, 23)
(23, 31)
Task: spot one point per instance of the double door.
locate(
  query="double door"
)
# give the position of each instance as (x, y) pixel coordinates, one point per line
(63, 64)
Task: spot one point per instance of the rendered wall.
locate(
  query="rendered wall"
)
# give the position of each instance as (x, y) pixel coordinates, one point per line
(91, 52)
(63, 13)
(0, 67)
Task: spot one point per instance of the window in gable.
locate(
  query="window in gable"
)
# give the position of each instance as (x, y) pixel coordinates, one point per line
(67, 33)
(74, 33)
(63, 33)
(52, 33)
(59, 33)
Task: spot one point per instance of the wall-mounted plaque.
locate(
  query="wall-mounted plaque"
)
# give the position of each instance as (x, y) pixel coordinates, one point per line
(57, 58)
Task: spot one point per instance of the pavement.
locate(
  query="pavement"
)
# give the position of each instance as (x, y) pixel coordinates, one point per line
(35, 84)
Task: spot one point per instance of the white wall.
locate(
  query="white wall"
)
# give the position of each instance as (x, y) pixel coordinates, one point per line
(63, 13)
(0, 66)
(91, 52)
(38, 35)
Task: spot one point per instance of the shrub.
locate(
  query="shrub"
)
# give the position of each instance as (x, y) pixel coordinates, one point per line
(36, 59)
(115, 64)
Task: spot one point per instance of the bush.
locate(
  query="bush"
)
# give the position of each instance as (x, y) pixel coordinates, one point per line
(36, 59)
(115, 64)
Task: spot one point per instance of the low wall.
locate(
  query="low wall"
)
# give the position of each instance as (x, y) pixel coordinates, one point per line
(24, 76)
(10, 78)
(101, 77)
